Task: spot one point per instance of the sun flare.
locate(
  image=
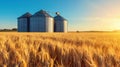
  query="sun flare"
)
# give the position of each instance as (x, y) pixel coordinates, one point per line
(116, 23)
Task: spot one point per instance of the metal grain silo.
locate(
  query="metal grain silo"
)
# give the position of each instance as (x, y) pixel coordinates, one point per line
(24, 23)
(41, 21)
(60, 24)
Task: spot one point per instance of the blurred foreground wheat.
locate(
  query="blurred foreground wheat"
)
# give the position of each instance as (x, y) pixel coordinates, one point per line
(59, 49)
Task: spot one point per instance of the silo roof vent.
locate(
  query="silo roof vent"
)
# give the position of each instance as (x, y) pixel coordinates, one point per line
(57, 13)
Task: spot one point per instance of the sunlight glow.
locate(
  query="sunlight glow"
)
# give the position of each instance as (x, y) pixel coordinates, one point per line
(116, 24)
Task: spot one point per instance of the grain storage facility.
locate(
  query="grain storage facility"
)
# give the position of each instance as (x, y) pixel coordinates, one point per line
(60, 23)
(41, 21)
(24, 23)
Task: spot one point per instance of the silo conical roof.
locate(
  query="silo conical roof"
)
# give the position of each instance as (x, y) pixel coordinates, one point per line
(41, 13)
(26, 15)
(58, 17)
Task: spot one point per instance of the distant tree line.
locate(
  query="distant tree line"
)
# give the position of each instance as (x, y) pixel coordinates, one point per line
(13, 29)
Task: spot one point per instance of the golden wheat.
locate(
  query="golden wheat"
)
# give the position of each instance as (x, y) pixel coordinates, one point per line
(59, 49)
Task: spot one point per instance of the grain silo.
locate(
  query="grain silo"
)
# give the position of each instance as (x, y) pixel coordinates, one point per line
(60, 23)
(24, 23)
(41, 21)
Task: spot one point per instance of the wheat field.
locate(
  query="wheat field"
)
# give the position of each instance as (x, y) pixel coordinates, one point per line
(59, 49)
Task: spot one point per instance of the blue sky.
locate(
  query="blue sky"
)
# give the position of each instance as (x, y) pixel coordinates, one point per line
(82, 15)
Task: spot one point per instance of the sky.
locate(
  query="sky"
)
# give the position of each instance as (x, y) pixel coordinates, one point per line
(82, 15)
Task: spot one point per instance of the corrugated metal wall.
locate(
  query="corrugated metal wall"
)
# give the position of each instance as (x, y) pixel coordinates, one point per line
(49, 24)
(41, 24)
(65, 26)
(37, 24)
(61, 26)
(22, 25)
